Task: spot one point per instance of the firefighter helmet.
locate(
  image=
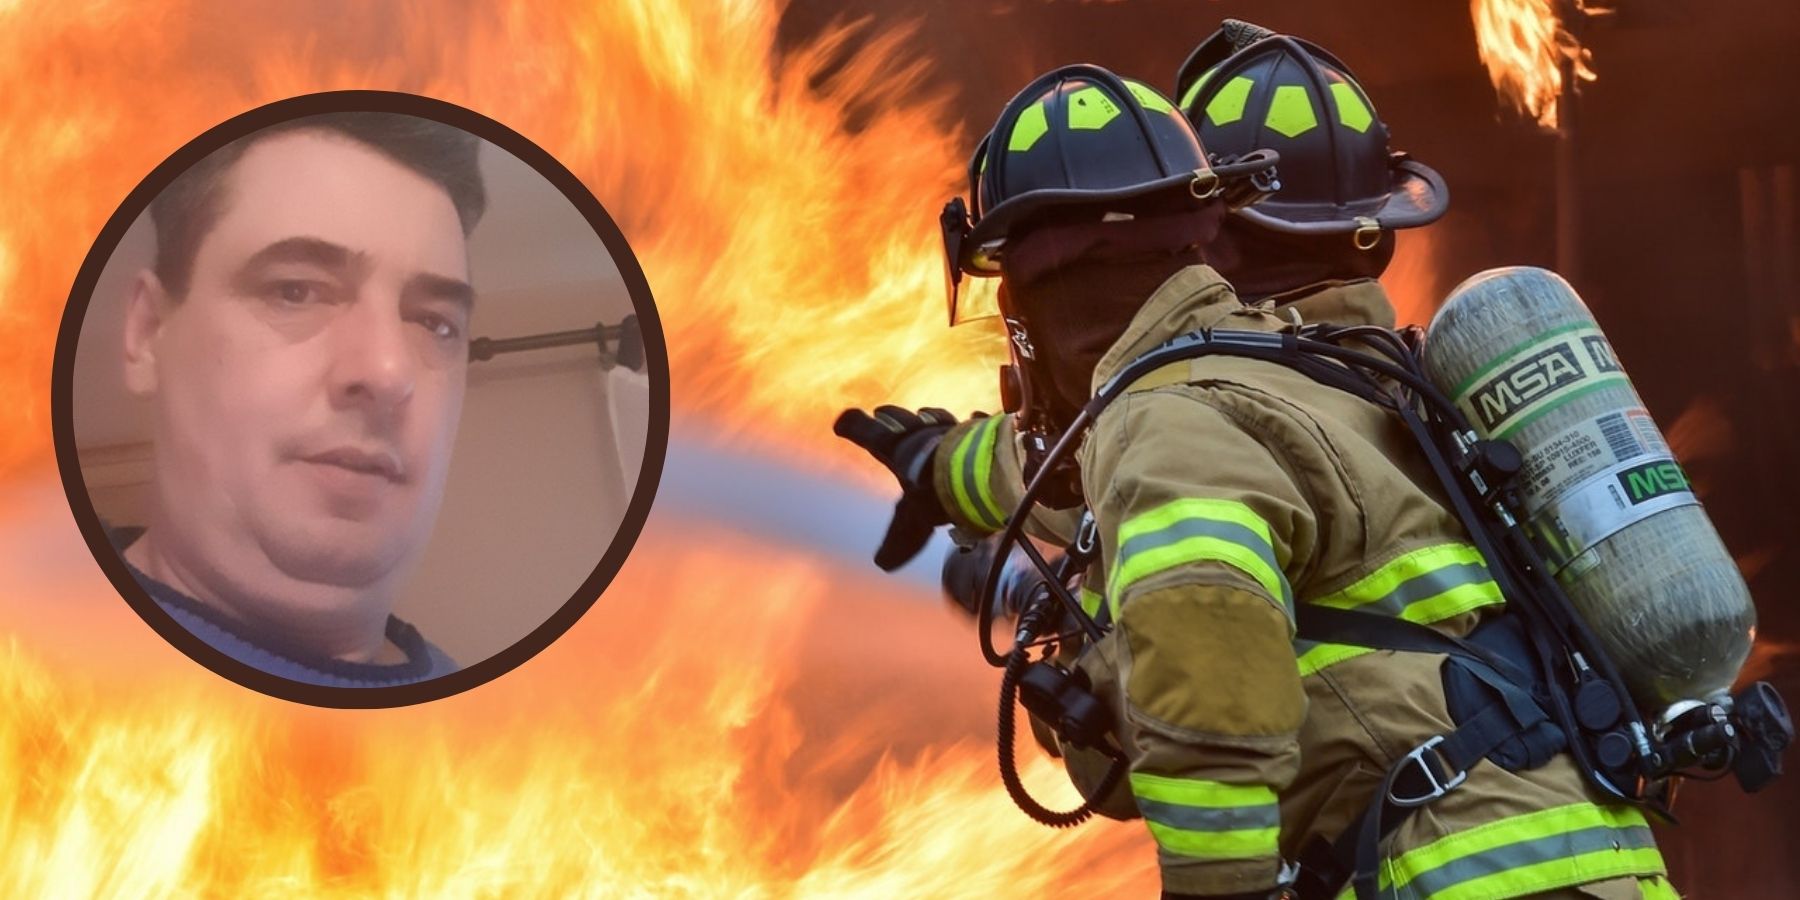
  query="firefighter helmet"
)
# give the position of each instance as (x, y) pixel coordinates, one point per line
(1247, 87)
(1078, 142)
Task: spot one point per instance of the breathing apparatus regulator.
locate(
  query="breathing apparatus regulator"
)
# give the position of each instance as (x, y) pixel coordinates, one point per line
(1077, 144)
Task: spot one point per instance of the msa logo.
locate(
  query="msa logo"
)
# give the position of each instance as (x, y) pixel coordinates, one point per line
(1652, 480)
(1525, 382)
(1601, 353)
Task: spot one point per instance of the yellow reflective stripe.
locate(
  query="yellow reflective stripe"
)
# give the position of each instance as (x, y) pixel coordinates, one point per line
(1193, 507)
(1199, 791)
(1551, 874)
(1425, 612)
(1514, 830)
(1090, 602)
(1427, 585)
(1249, 843)
(1323, 655)
(1032, 124)
(1197, 529)
(1657, 888)
(1207, 819)
(1199, 548)
(1389, 578)
(960, 470)
(984, 471)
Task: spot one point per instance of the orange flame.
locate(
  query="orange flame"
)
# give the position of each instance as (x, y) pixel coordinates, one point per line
(794, 256)
(781, 202)
(677, 757)
(1525, 45)
(1412, 280)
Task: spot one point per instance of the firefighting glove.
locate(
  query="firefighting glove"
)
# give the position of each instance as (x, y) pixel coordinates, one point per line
(904, 442)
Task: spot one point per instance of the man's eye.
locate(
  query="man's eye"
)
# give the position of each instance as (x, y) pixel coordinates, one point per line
(294, 293)
(441, 328)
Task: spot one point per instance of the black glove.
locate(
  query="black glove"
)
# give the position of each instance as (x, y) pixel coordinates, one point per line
(903, 441)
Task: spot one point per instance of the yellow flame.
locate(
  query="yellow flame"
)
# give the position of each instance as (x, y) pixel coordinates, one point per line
(782, 201)
(673, 759)
(1524, 45)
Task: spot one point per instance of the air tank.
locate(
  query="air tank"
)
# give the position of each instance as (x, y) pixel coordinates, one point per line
(1609, 505)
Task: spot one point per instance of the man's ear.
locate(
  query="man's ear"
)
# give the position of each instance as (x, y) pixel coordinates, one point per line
(145, 311)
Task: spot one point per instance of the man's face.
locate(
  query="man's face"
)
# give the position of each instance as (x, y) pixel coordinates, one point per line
(308, 386)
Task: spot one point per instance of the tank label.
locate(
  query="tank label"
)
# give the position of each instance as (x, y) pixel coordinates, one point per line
(1626, 436)
(1614, 499)
(1531, 380)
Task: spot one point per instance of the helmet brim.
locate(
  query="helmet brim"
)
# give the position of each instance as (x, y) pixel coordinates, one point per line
(1418, 197)
(978, 253)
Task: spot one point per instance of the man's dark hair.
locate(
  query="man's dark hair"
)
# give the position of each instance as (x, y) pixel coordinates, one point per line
(189, 207)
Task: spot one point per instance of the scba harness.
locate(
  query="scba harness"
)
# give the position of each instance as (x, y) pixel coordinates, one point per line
(1524, 686)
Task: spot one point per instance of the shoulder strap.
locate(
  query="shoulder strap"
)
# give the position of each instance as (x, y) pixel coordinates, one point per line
(1174, 373)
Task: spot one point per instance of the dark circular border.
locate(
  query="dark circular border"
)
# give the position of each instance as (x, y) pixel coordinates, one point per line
(656, 355)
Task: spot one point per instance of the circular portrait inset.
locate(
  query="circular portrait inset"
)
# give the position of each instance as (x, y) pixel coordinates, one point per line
(360, 399)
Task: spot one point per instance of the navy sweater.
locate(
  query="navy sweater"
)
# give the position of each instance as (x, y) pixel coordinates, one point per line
(424, 661)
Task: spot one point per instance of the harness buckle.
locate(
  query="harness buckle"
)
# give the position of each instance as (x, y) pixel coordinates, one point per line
(1439, 786)
(1087, 535)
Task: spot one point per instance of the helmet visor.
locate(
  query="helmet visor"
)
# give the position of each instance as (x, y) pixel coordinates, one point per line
(974, 299)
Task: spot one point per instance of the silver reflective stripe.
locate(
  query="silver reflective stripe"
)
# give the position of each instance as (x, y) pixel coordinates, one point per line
(1203, 818)
(1509, 857)
(1183, 529)
(1424, 587)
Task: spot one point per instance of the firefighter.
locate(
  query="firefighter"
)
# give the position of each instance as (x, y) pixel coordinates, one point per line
(1228, 490)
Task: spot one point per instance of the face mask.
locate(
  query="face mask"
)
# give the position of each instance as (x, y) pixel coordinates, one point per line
(1077, 286)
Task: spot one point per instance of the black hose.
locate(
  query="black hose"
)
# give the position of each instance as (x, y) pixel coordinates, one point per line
(1016, 661)
(1015, 526)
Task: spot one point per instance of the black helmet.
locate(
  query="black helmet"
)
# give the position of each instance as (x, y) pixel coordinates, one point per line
(1247, 87)
(1081, 141)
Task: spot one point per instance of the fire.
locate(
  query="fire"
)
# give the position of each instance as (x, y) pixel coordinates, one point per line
(1412, 280)
(694, 739)
(696, 749)
(1525, 46)
(782, 201)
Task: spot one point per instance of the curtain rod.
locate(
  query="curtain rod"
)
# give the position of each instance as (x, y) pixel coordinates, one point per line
(627, 343)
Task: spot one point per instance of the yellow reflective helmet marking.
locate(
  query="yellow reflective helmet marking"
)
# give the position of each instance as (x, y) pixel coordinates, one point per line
(1351, 109)
(1227, 106)
(1291, 112)
(1032, 124)
(1151, 100)
(1193, 90)
(1090, 109)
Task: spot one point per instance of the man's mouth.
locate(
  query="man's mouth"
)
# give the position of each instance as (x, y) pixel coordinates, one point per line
(383, 463)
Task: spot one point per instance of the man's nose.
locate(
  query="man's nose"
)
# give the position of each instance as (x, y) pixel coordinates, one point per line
(375, 366)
